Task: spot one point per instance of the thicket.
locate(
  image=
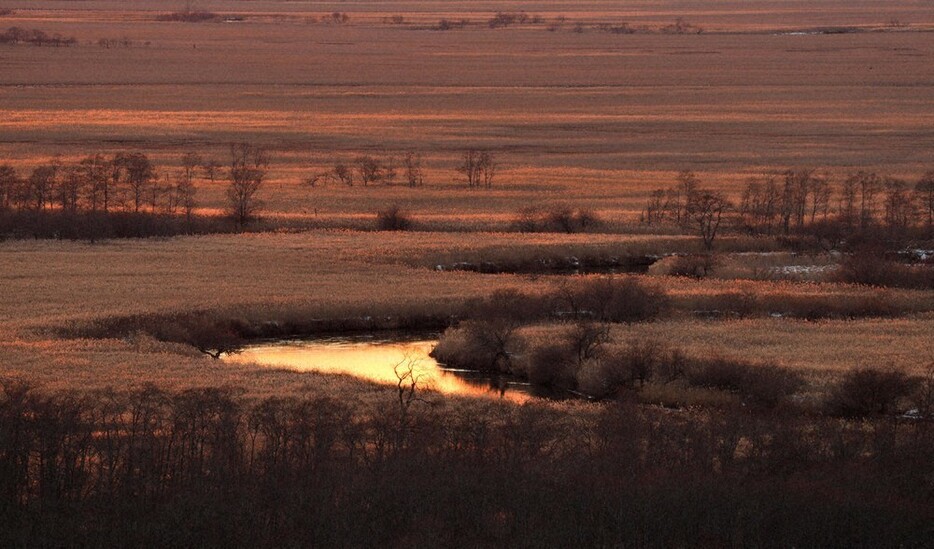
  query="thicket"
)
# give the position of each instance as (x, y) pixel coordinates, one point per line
(189, 16)
(861, 209)
(558, 219)
(210, 468)
(392, 218)
(36, 37)
(126, 195)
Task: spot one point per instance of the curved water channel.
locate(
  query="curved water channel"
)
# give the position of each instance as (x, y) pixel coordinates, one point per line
(377, 358)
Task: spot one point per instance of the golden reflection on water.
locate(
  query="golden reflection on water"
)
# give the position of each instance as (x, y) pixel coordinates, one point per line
(375, 361)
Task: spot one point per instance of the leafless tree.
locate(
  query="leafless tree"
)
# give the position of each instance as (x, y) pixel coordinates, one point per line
(343, 173)
(412, 164)
(478, 167)
(212, 169)
(488, 168)
(139, 175)
(9, 181)
(318, 178)
(190, 161)
(390, 170)
(924, 190)
(587, 339)
(70, 188)
(369, 169)
(821, 194)
(95, 171)
(470, 167)
(897, 204)
(759, 204)
(248, 167)
(185, 192)
(868, 184)
(407, 389)
(656, 207)
(114, 191)
(849, 191)
(40, 186)
(705, 210)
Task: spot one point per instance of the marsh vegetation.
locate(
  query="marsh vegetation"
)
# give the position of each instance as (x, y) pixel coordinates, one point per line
(709, 227)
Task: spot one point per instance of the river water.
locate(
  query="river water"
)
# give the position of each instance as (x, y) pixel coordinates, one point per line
(382, 359)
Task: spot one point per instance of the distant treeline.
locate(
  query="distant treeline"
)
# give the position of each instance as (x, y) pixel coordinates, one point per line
(36, 37)
(210, 468)
(126, 195)
(864, 204)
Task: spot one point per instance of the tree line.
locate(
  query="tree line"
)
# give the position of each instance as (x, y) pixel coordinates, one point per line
(209, 467)
(36, 37)
(125, 194)
(477, 168)
(800, 201)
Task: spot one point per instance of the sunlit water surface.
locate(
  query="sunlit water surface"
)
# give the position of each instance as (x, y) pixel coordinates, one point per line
(381, 360)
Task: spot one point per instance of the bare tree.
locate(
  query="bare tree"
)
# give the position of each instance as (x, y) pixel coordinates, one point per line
(114, 192)
(343, 173)
(190, 161)
(897, 204)
(139, 174)
(412, 163)
(95, 171)
(656, 206)
(821, 193)
(369, 169)
(9, 181)
(869, 184)
(798, 186)
(70, 188)
(470, 167)
(185, 192)
(687, 186)
(848, 200)
(924, 190)
(212, 169)
(478, 167)
(488, 168)
(759, 204)
(248, 167)
(705, 210)
(318, 178)
(390, 170)
(41, 185)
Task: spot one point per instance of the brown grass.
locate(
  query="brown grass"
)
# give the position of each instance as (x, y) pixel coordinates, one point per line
(587, 120)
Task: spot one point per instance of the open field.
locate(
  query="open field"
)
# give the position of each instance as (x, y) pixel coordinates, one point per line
(577, 114)
(592, 117)
(770, 387)
(332, 274)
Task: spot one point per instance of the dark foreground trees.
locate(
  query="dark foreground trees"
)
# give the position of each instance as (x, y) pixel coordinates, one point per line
(210, 468)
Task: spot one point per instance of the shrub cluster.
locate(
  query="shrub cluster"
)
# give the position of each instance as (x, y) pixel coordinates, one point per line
(506, 19)
(872, 268)
(189, 16)
(489, 339)
(392, 219)
(36, 37)
(559, 219)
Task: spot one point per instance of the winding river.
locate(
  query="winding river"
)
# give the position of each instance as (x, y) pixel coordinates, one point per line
(378, 358)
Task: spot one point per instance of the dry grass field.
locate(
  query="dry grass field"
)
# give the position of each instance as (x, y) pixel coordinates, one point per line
(593, 117)
(323, 274)
(767, 385)
(590, 119)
